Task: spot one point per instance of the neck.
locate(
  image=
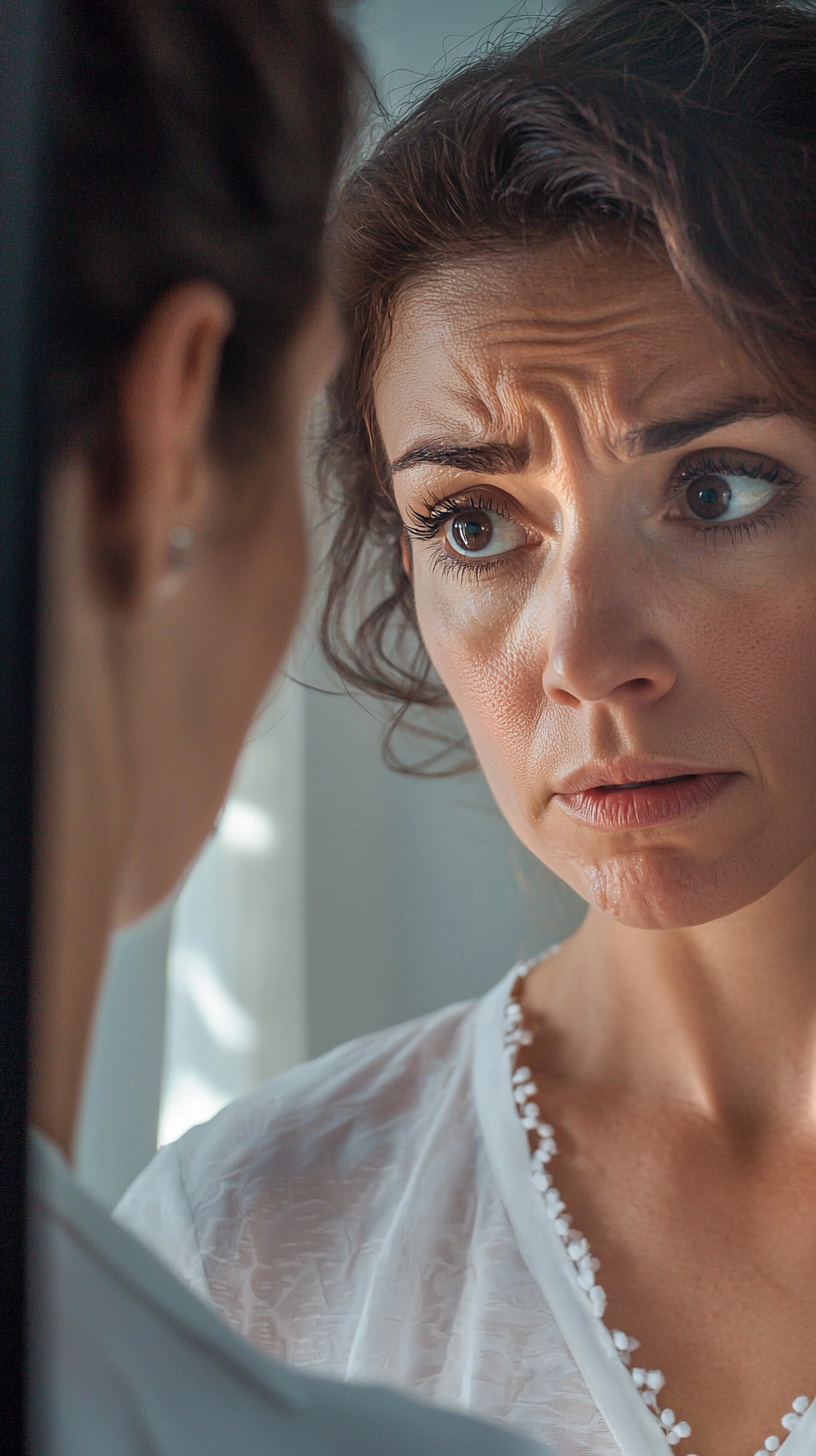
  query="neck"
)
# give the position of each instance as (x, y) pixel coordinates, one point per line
(79, 833)
(74, 914)
(721, 1016)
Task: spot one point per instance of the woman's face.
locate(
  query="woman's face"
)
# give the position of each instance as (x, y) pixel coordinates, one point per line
(611, 528)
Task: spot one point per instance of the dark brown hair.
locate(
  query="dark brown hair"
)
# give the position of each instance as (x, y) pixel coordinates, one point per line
(690, 124)
(191, 139)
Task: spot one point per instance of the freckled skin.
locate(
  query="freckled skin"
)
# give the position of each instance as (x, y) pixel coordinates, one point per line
(676, 1047)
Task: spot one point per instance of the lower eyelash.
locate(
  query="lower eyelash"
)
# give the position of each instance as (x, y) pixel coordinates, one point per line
(460, 567)
(730, 531)
(782, 504)
(427, 525)
(735, 531)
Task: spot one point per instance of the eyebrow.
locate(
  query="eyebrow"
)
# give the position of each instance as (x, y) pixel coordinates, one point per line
(669, 434)
(500, 458)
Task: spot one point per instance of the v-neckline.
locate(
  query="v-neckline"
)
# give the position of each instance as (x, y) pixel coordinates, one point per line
(587, 1337)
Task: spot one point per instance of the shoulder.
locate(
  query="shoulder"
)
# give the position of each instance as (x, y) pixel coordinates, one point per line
(156, 1210)
(120, 1347)
(326, 1143)
(121, 1350)
(349, 1104)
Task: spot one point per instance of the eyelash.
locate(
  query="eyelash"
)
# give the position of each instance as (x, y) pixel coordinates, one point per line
(427, 523)
(429, 520)
(734, 531)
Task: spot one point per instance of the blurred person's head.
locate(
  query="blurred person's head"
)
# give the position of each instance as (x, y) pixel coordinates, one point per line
(193, 151)
(572, 449)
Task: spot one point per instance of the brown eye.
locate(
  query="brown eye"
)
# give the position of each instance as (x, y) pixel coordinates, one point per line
(479, 532)
(708, 497)
(471, 531)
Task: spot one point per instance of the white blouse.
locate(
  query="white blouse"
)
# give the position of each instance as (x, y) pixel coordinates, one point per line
(371, 1215)
(126, 1362)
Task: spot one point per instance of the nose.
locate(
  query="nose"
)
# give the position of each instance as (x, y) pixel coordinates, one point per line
(601, 642)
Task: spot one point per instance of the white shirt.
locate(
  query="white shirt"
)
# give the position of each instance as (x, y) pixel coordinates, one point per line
(126, 1362)
(372, 1215)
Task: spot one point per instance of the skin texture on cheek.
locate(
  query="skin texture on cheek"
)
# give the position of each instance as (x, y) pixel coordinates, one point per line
(746, 698)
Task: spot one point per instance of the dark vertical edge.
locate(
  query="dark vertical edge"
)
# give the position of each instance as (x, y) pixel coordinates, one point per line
(24, 28)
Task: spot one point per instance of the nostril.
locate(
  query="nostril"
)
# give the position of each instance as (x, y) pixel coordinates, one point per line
(599, 686)
(563, 698)
(601, 661)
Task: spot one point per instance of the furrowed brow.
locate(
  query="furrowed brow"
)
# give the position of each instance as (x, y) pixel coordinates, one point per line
(500, 458)
(670, 434)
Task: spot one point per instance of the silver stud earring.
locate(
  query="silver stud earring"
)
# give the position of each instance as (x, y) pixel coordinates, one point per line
(180, 548)
(179, 552)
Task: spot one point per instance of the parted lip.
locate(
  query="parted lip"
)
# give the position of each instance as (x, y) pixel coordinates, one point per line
(631, 773)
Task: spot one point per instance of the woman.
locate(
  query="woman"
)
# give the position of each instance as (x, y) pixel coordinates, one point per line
(193, 150)
(574, 449)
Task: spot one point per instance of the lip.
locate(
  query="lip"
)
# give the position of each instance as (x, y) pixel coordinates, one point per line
(640, 793)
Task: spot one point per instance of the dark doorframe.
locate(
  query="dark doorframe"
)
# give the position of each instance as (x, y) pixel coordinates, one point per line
(24, 28)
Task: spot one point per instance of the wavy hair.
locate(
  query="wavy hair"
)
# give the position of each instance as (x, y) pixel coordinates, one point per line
(690, 124)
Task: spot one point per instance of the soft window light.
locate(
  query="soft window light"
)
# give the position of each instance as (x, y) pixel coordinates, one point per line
(227, 1022)
(246, 828)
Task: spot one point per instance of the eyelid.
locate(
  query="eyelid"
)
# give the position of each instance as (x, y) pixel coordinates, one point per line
(731, 460)
(430, 515)
(736, 463)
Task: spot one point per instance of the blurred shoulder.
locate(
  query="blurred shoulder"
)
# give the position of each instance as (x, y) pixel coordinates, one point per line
(361, 1106)
(124, 1360)
(360, 1096)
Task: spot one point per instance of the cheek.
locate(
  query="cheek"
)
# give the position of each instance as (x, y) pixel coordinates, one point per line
(767, 658)
(485, 647)
(744, 698)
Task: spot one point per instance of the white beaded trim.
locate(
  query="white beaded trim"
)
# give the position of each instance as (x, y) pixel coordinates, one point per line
(585, 1265)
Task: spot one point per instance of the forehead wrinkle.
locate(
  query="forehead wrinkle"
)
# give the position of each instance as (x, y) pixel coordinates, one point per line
(489, 442)
(569, 330)
(603, 405)
(562, 385)
(468, 390)
(568, 407)
(583, 353)
(489, 399)
(538, 418)
(538, 400)
(478, 434)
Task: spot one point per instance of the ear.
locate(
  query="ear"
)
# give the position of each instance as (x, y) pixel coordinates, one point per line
(150, 473)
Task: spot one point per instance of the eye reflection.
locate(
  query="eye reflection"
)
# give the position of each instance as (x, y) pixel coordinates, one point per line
(728, 497)
(483, 532)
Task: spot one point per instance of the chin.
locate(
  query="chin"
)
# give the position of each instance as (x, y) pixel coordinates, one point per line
(669, 891)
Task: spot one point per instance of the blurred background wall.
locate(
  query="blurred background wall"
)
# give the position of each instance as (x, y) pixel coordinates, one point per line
(334, 897)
